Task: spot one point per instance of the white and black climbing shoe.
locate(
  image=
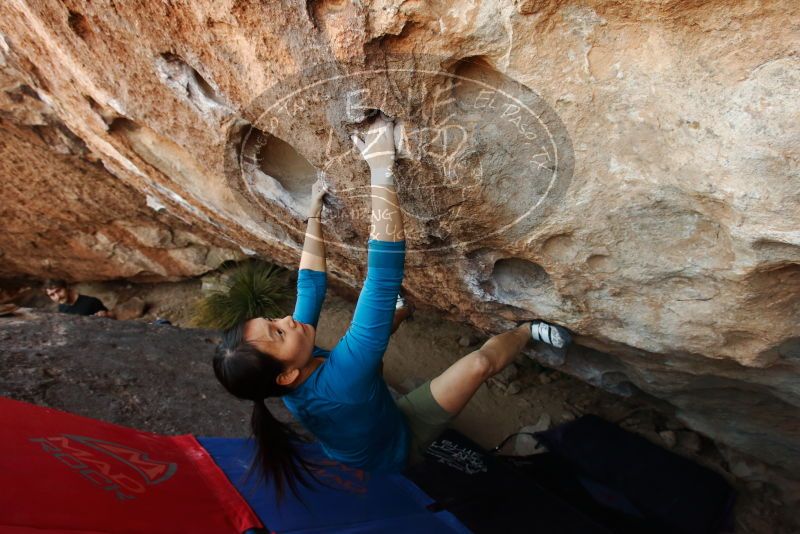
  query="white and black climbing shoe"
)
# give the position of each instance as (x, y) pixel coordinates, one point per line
(554, 335)
(403, 304)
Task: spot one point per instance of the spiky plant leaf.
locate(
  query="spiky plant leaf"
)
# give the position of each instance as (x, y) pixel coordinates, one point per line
(252, 289)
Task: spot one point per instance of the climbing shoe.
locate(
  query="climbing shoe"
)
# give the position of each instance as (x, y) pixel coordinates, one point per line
(554, 335)
(402, 303)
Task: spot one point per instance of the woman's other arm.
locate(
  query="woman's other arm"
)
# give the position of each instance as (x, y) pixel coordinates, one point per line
(313, 256)
(312, 278)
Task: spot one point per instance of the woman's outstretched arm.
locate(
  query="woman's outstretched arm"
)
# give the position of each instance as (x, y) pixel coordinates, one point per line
(312, 278)
(386, 220)
(355, 361)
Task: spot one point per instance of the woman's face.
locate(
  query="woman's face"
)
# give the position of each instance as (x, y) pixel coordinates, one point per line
(287, 340)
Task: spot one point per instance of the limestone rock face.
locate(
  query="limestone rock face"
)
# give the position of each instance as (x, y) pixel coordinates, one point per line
(64, 215)
(628, 171)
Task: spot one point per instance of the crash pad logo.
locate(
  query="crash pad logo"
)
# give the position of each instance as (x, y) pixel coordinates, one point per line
(337, 475)
(124, 471)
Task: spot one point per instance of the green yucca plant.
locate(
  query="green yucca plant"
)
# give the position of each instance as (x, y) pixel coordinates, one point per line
(251, 289)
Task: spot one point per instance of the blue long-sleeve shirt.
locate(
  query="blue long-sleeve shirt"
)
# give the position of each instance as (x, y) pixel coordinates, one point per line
(345, 403)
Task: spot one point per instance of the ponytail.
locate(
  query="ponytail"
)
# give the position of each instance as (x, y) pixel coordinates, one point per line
(251, 374)
(276, 456)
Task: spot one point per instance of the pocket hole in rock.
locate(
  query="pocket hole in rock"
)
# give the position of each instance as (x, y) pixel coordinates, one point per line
(189, 83)
(277, 170)
(79, 25)
(525, 284)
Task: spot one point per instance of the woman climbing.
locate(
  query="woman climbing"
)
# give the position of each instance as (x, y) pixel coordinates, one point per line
(339, 395)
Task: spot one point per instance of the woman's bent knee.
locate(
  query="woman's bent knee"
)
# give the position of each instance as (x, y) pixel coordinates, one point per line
(481, 366)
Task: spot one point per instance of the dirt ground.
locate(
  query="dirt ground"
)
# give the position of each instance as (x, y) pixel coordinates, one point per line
(158, 378)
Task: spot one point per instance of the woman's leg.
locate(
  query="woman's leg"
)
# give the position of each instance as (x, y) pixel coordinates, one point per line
(458, 383)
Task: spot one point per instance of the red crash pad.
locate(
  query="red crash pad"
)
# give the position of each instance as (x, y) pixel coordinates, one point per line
(62, 472)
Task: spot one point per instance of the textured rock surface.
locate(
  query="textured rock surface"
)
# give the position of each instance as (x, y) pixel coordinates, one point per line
(66, 217)
(670, 243)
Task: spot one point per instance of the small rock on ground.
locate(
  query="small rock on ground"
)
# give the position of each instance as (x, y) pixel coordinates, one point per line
(668, 437)
(689, 441)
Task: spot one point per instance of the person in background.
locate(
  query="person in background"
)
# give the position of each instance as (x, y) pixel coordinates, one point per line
(69, 301)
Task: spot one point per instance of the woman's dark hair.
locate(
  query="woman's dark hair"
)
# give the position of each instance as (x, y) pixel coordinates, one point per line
(250, 374)
(55, 283)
